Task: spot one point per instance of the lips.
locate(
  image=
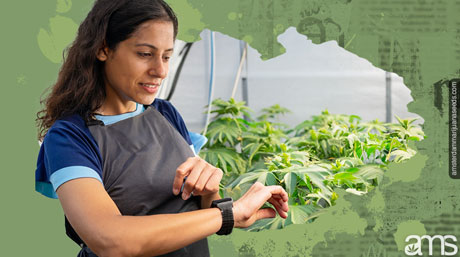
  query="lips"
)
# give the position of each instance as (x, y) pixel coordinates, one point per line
(150, 87)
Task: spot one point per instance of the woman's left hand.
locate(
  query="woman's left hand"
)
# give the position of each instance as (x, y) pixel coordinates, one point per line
(202, 178)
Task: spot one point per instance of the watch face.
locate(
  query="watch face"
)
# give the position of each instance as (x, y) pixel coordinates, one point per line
(226, 204)
(225, 200)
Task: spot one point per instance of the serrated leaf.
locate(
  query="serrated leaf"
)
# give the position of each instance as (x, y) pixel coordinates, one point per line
(369, 173)
(400, 155)
(274, 223)
(350, 161)
(246, 178)
(317, 176)
(271, 179)
(267, 178)
(370, 150)
(223, 158)
(355, 192)
(252, 149)
(223, 130)
(300, 214)
(319, 195)
(345, 178)
(290, 179)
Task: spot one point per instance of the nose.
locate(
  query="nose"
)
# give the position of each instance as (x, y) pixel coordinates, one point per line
(158, 68)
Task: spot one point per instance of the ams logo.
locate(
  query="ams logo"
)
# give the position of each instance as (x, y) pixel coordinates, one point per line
(415, 248)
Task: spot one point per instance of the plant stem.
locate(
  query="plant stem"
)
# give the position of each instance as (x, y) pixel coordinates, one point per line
(389, 152)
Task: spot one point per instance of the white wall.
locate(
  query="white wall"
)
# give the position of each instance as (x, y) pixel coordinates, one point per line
(307, 79)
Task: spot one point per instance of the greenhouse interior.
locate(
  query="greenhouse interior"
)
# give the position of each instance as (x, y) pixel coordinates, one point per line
(307, 79)
(317, 120)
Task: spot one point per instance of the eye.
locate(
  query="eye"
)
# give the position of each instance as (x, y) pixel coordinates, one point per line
(167, 58)
(144, 54)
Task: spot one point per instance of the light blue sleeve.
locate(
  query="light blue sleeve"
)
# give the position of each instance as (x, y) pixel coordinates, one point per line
(198, 141)
(68, 173)
(63, 175)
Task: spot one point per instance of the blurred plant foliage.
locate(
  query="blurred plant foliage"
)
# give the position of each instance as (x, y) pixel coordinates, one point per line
(309, 161)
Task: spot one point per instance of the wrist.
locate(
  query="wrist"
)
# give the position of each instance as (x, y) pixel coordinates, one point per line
(206, 200)
(236, 215)
(235, 224)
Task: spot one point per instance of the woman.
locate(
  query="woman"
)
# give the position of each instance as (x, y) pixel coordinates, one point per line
(120, 160)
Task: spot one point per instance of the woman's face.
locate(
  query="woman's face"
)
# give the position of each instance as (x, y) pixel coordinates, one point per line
(135, 69)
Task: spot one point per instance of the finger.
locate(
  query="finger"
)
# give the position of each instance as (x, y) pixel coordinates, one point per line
(284, 205)
(278, 190)
(265, 213)
(192, 179)
(213, 183)
(203, 180)
(281, 202)
(275, 203)
(281, 196)
(278, 207)
(181, 172)
(260, 193)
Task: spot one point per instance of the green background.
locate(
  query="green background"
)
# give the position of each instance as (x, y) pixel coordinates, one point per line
(417, 39)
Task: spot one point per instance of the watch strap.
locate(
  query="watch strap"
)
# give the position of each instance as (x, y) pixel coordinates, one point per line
(225, 205)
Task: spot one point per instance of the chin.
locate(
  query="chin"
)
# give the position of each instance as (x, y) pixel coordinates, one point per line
(146, 101)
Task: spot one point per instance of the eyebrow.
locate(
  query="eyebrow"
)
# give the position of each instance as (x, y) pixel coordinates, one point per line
(154, 47)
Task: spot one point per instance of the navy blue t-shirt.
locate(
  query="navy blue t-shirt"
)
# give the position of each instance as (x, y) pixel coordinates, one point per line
(69, 151)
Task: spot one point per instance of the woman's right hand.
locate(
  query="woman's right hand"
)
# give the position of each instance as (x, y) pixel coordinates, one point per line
(246, 210)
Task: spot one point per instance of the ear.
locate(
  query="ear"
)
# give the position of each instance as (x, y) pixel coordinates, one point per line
(102, 54)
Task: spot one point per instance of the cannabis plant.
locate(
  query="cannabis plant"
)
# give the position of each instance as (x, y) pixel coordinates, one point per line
(309, 161)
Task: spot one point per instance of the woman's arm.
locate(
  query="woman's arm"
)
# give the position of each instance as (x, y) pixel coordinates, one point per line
(98, 222)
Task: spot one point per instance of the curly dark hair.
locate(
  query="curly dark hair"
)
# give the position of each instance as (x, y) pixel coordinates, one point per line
(80, 84)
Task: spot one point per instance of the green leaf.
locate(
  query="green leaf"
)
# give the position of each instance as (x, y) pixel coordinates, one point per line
(249, 177)
(354, 118)
(267, 178)
(371, 150)
(300, 214)
(235, 192)
(297, 214)
(271, 179)
(345, 178)
(319, 195)
(352, 138)
(370, 172)
(252, 149)
(274, 223)
(223, 130)
(414, 138)
(350, 161)
(272, 112)
(313, 134)
(355, 192)
(317, 176)
(224, 158)
(230, 108)
(290, 179)
(307, 181)
(324, 147)
(400, 155)
(311, 160)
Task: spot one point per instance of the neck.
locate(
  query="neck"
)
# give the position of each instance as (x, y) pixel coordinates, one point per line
(108, 108)
(115, 104)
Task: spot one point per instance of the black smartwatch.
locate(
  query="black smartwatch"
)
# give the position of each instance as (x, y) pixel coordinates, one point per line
(225, 205)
